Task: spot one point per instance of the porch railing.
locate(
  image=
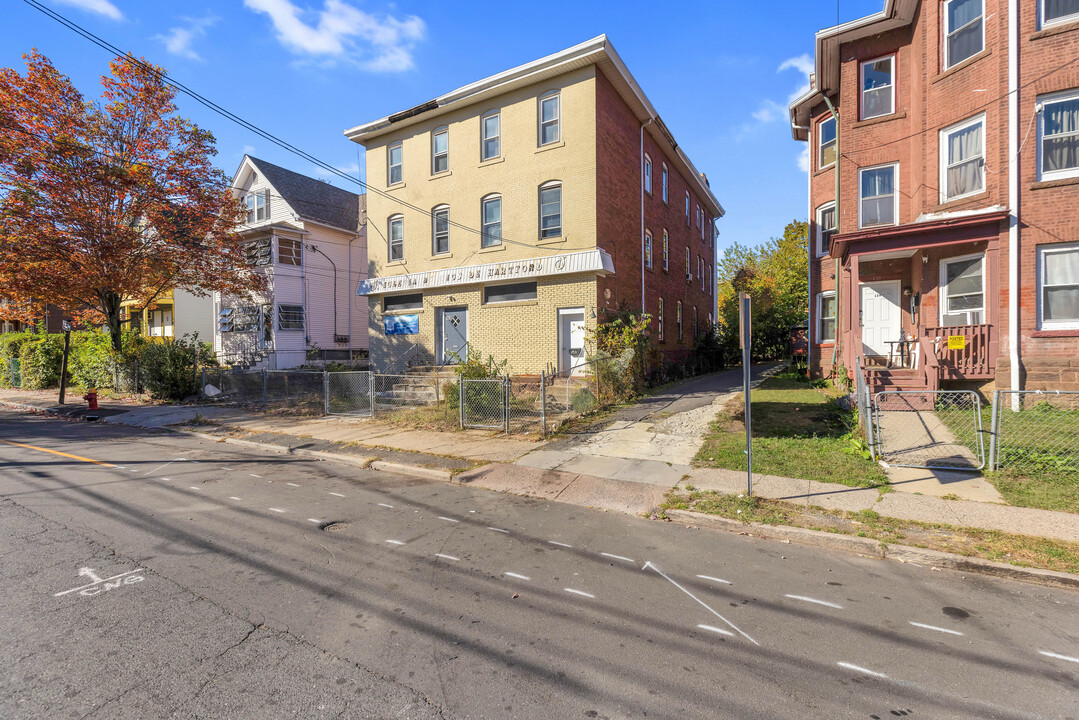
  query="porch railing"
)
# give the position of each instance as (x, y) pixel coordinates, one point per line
(973, 360)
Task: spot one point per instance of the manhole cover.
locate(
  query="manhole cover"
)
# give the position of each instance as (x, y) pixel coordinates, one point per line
(334, 525)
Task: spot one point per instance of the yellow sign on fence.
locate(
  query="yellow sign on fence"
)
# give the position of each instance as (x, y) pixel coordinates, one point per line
(957, 342)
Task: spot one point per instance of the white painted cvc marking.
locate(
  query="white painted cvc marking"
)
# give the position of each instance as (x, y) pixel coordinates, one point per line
(616, 557)
(856, 668)
(825, 603)
(193, 487)
(380, 504)
(340, 495)
(582, 593)
(314, 520)
(714, 579)
(233, 497)
(276, 510)
(515, 575)
(447, 557)
(934, 627)
(395, 542)
(292, 484)
(1046, 653)
(448, 519)
(715, 630)
(555, 542)
(254, 475)
(664, 575)
(498, 530)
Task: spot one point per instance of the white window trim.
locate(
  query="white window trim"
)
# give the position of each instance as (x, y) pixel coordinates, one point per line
(895, 194)
(434, 239)
(557, 95)
(484, 138)
(483, 223)
(818, 334)
(256, 195)
(1043, 23)
(389, 238)
(390, 165)
(821, 165)
(1042, 251)
(942, 304)
(666, 251)
(951, 31)
(1041, 101)
(665, 179)
(561, 197)
(649, 249)
(647, 173)
(862, 91)
(820, 252)
(443, 130)
(942, 151)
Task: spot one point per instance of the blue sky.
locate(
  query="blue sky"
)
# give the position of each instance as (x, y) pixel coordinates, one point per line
(720, 72)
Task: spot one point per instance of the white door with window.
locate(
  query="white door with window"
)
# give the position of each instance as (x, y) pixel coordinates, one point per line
(571, 332)
(880, 317)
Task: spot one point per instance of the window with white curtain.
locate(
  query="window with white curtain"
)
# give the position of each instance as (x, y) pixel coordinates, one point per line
(1058, 287)
(826, 317)
(825, 228)
(1058, 136)
(962, 291)
(878, 87)
(964, 31)
(962, 159)
(491, 136)
(877, 197)
(1057, 11)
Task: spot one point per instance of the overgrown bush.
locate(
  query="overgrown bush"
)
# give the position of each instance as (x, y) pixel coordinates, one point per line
(622, 344)
(10, 348)
(474, 367)
(91, 362)
(40, 358)
(168, 370)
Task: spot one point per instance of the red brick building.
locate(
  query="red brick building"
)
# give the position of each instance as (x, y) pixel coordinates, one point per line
(944, 194)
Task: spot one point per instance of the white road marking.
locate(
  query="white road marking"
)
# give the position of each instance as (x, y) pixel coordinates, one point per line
(652, 565)
(193, 487)
(861, 670)
(825, 603)
(617, 557)
(447, 557)
(225, 469)
(721, 631)
(440, 517)
(934, 627)
(97, 581)
(254, 475)
(381, 504)
(233, 497)
(515, 575)
(167, 479)
(395, 542)
(277, 510)
(498, 530)
(714, 579)
(170, 462)
(314, 520)
(292, 484)
(340, 495)
(1046, 653)
(134, 469)
(553, 542)
(582, 593)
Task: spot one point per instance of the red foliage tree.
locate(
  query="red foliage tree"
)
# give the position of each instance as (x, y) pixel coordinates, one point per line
(109, 201)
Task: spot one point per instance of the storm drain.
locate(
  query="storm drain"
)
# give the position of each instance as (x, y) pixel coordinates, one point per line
(334, 525)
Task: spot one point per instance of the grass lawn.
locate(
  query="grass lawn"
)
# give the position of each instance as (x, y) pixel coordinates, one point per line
(798, 432)
(993, 545)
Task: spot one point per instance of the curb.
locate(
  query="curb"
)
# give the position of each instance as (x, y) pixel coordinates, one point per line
(24, 406)
(874, 548)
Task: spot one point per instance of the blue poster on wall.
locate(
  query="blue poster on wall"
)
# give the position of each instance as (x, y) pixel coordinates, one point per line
(402, 324)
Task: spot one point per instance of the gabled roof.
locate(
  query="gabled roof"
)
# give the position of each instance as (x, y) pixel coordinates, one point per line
(598, 51)
(309, 198)
(826, 61)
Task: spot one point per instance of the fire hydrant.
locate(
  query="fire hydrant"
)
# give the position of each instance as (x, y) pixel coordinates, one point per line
(91, 400)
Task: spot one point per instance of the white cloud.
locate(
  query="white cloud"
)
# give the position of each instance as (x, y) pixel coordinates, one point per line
(802, 63)
(178, 40)
(377, 44)
(101, 7)
(803, 158)
(769, 111)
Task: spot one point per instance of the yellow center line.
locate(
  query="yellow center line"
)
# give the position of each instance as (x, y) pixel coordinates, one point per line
(57, 452)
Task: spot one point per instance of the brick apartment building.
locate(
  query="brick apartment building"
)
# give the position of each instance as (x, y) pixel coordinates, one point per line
(515, 213)
(944, 194)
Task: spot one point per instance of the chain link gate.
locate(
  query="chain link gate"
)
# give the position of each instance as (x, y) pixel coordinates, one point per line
(350, 393)
(939, 429)
(1035, 433)
(483, 403)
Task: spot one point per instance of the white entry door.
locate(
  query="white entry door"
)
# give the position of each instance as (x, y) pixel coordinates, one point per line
(571, 354)
(880, 317)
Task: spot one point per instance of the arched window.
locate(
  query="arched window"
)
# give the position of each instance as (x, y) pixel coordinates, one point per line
(678, 318)
(550, 210)
(666, 251)
(647, 174)
(687, 208)
(440, 230)
(396, 237)
(491, 214)
(648, 249)
(666, 180)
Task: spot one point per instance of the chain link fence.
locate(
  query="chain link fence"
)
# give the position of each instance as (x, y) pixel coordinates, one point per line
(483, 403)
(349, 393)
(863, 400)
(930, 429)
(1035, 433)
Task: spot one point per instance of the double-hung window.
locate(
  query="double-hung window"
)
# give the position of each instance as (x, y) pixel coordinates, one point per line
(826, 317)
(666, 251)
(659, 320)
(491, 212)
(550, 199)
(665, 179)
(490, 135)
(258, 206)
(878, 87)
(678, 317)
(827, 139)
(1058, 291)
(440, 230)
(962, 159)
(825, 228)
(877, 197)
(964, 30)
(550, 118)
(1058, 11)
(648, 249)
(647, 174)
(397, 238)
(396, 158)
(1058, 136)
(962, 291)
(687, 208)
(290, 317)
(289, 252)
(689, 270)
(440, 150)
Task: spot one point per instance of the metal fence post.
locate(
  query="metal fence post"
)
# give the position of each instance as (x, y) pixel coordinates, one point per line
(543, 403)
(371, 391)
(994, 431)
(204, 382)
(461, 399)
(506, 404)
(326, 391)
(264, 378)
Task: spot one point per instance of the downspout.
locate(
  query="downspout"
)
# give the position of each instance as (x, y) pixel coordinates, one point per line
(1013, 198)
(643, 125)
(348, 294)
(838, 284)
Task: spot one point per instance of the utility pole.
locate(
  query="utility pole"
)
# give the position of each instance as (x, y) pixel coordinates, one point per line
(63, 364)
(745, 317)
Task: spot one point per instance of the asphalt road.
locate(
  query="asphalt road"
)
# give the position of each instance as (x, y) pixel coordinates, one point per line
(430, 600)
